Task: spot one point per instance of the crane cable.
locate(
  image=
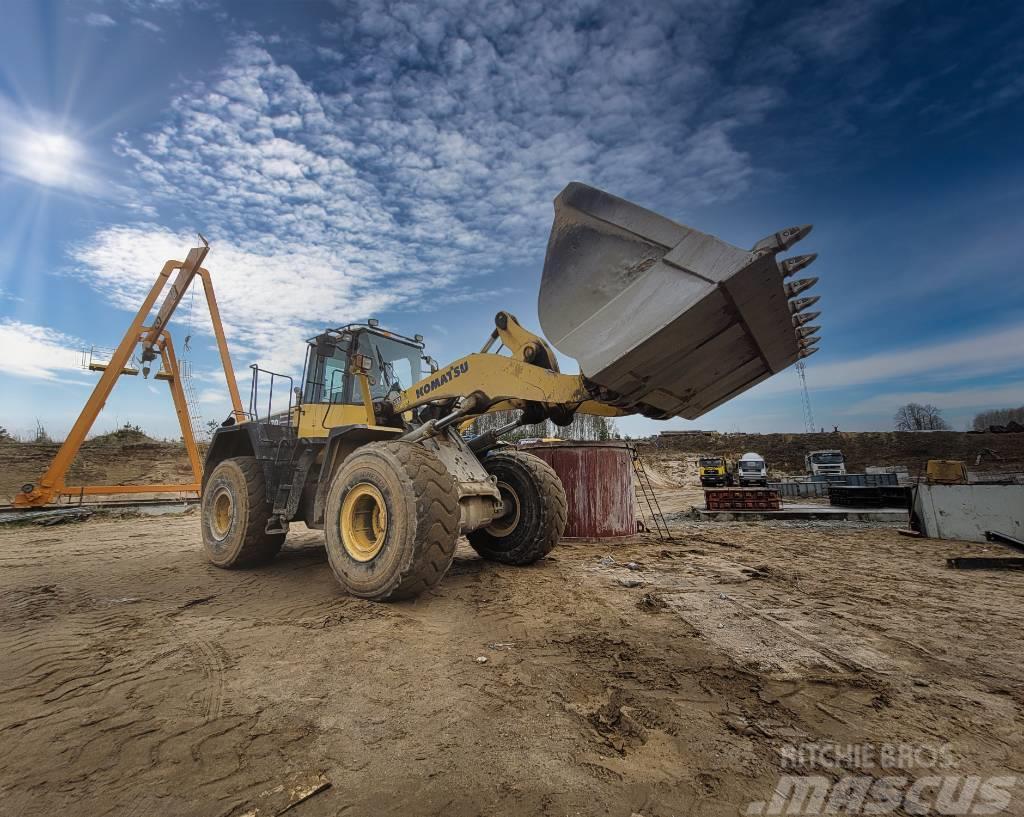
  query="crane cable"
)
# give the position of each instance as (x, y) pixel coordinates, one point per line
(191, 304)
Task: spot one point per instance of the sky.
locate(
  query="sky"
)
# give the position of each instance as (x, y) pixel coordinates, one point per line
(396, 160)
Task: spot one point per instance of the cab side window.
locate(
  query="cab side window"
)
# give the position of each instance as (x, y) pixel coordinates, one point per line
(327, 378)
(334, 380)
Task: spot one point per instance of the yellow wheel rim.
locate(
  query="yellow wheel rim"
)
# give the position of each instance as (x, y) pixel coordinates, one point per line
(506, 523)
(223, 507)
(364, 522)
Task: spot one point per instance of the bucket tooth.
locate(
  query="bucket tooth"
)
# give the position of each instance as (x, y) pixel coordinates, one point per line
(807, 343)
(806, 331)
(800, 304)
(796, 287)
(791, 266)
(782, 240)
(807, 353)
(807, 317)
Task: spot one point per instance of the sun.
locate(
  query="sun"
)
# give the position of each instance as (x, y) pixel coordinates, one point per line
(51, 159)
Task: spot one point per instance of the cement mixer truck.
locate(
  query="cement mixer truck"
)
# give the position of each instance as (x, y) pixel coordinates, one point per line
(751, 470)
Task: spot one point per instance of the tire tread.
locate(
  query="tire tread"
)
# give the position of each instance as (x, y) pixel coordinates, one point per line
(554, 513)
(258, 547)
(437, 518)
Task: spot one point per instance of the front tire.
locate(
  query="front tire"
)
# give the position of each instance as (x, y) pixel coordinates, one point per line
(535, 510)
(391, 521)
(235, 513)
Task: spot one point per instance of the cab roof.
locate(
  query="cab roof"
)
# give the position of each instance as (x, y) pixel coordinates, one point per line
(359, 328)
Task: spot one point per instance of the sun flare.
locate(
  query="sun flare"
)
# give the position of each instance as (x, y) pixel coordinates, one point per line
(47, 158)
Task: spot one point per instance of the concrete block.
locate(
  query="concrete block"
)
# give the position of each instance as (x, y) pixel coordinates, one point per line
(966, 511)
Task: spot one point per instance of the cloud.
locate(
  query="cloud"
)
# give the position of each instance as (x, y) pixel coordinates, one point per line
(411, 151)
(99, 20)
(171, 6)
(417, 150)
(981, 354)
(270, 301)
(445, 140)
(839, 29)
(207, 396)
(374, 182)
(37, 352)
(974, 397)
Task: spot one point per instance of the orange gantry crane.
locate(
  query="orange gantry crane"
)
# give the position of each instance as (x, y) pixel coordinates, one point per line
(155, 342)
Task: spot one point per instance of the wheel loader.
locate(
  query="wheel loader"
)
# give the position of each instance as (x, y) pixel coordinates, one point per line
(663, 321)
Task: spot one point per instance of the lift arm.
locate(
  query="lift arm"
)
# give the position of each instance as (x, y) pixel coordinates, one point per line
(529, 376)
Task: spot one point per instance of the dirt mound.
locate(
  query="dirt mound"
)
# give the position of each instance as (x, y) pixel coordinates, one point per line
(665, 472)
(111, 459)
(126, 435)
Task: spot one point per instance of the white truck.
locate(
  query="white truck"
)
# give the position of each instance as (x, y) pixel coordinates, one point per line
(828, 461)
(751, 470)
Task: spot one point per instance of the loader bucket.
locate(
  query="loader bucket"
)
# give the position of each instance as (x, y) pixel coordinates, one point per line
(662, 319)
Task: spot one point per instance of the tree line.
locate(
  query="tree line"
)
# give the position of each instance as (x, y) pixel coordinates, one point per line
(998, 417)
(918, 417)
(926, 417)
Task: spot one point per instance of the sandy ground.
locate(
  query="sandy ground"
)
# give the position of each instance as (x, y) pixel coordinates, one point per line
(139, 680)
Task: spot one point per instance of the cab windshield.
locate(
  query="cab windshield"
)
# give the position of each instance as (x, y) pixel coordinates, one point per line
(395, 365)
(710, 462)
(827, 459)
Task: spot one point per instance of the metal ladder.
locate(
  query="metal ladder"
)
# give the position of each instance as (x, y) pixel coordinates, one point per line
(645, 496)
(277, 439)
(195, 417)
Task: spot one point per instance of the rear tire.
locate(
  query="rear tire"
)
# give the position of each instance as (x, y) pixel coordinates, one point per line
(535, 510)
(235, 513)
(391, 521)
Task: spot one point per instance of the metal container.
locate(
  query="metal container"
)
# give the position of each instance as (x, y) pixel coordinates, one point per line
(598, 482)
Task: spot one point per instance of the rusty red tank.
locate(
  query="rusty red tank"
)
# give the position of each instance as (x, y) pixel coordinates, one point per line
(598, 482)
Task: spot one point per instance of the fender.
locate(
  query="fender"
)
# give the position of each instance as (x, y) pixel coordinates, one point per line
(237, 440)
(341, 442)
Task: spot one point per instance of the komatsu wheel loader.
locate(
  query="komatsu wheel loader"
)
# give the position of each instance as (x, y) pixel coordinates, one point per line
(663, 320)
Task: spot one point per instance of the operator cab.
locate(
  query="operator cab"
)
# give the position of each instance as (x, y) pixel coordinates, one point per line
(395, 363)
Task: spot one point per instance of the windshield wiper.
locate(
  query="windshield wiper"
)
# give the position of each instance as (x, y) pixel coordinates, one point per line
(387, 371)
